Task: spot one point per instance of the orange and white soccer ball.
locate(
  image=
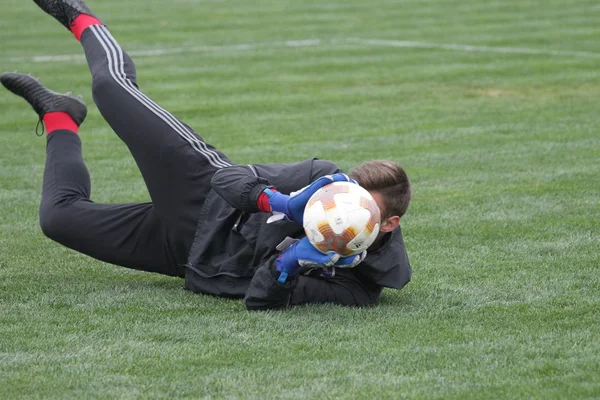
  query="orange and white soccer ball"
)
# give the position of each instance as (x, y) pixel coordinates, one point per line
(341, 217)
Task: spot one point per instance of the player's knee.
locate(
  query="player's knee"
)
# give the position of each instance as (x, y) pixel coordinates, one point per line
(51, 221)
(103, 83)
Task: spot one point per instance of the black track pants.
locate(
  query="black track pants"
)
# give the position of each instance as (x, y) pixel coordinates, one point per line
(175, 162)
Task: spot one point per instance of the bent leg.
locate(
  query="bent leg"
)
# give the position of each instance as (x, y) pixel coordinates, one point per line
(129, 235)
(175, 162)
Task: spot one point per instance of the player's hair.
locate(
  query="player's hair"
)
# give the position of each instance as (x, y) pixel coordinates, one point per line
(389, 179)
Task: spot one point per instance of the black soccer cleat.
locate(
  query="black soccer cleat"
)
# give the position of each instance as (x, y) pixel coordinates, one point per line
(65, 11)
(42, 99)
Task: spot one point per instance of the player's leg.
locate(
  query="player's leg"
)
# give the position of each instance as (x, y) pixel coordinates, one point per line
(175, 162)
(130, 235)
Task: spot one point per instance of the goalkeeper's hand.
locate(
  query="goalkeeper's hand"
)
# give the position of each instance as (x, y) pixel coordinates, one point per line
(293, 206)
(304, 254)
(350, 261)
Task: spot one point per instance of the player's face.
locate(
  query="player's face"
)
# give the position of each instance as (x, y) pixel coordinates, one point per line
(388, 224)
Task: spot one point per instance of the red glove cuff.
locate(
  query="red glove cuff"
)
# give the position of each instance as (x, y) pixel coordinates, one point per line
(263, 202)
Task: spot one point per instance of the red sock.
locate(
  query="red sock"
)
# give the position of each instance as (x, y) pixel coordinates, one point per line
(81, 23)
(54, 121)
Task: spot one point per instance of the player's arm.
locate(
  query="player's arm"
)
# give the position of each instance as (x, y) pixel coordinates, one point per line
(276, 284)
(266, 293)
(243, 189)
(240, 186)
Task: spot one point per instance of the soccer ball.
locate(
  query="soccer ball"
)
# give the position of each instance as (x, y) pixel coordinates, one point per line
(341, 217)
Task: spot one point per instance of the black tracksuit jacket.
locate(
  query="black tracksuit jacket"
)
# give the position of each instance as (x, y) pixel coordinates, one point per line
(234, 250)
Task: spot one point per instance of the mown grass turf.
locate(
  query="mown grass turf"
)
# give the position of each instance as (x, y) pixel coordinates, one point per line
(503, 231)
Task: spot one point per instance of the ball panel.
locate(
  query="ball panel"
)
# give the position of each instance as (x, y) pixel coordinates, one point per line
(337, 243)
(370, 204)
(312, 216)
(363, 240)
(342, 217)
(337, 220)
(327, 195)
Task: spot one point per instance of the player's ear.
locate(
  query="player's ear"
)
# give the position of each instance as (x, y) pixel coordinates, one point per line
(389, 224)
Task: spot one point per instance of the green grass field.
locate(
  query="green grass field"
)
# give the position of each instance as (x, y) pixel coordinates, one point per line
(501, 140)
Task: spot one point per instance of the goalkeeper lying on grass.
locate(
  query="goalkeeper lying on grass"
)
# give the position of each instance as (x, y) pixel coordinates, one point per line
(207, 219)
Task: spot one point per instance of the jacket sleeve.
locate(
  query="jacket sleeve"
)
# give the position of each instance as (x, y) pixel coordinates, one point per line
(239, 186)
(266, 293)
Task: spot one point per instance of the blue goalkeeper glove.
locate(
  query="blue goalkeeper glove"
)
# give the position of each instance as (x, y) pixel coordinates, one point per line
(350, 261)
(293, 206)
(304, 254)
